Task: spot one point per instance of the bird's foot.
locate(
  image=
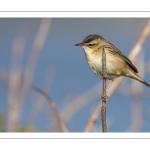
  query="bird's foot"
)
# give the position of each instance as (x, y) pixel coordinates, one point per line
(105, 98)
(105, 76)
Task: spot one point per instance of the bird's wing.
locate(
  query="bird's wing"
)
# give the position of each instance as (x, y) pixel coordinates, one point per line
(114, 50)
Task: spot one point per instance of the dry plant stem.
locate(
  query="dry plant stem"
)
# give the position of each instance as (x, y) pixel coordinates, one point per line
(35, 54)
(14, 82)
(81, 101)
(17, 87)
(93, 118)
(40, 102)
(109, 85)
(137, 48)
(77, 104)
(132, 56)
(136, 103)
(103, 109)
(31, 64)
(95, 115)
(52, 104)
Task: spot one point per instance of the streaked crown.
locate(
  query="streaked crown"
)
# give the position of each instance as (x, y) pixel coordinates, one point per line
(90, 40)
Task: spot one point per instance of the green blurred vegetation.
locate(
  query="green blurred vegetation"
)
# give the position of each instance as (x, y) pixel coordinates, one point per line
(19, 129)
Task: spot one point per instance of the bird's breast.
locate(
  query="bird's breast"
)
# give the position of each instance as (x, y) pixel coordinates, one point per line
(114, 65)
(95, 64)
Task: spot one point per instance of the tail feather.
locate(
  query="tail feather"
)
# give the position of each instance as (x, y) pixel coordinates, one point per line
(144, 82)
(137, 77)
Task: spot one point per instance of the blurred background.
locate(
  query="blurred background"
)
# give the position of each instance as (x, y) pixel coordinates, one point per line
(41, 52)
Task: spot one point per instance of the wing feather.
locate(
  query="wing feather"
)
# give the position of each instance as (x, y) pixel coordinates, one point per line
(114, 50)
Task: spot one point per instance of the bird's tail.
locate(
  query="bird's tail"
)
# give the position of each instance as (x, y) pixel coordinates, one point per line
(137, 77)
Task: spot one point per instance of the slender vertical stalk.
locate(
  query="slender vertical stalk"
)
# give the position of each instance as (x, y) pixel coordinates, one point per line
(103, 109)
(132, 56)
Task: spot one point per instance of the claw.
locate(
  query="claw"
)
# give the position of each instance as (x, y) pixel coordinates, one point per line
(105, 76)
(105, 98)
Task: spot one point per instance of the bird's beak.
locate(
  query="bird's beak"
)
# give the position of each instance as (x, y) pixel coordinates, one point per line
(80, 44)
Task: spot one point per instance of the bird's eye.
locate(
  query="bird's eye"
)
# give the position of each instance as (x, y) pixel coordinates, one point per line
(91, 45)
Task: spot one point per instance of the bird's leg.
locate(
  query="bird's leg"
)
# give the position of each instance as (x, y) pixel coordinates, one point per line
(105, 76)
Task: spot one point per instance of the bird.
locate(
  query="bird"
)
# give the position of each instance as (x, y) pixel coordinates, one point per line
(117, 64)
